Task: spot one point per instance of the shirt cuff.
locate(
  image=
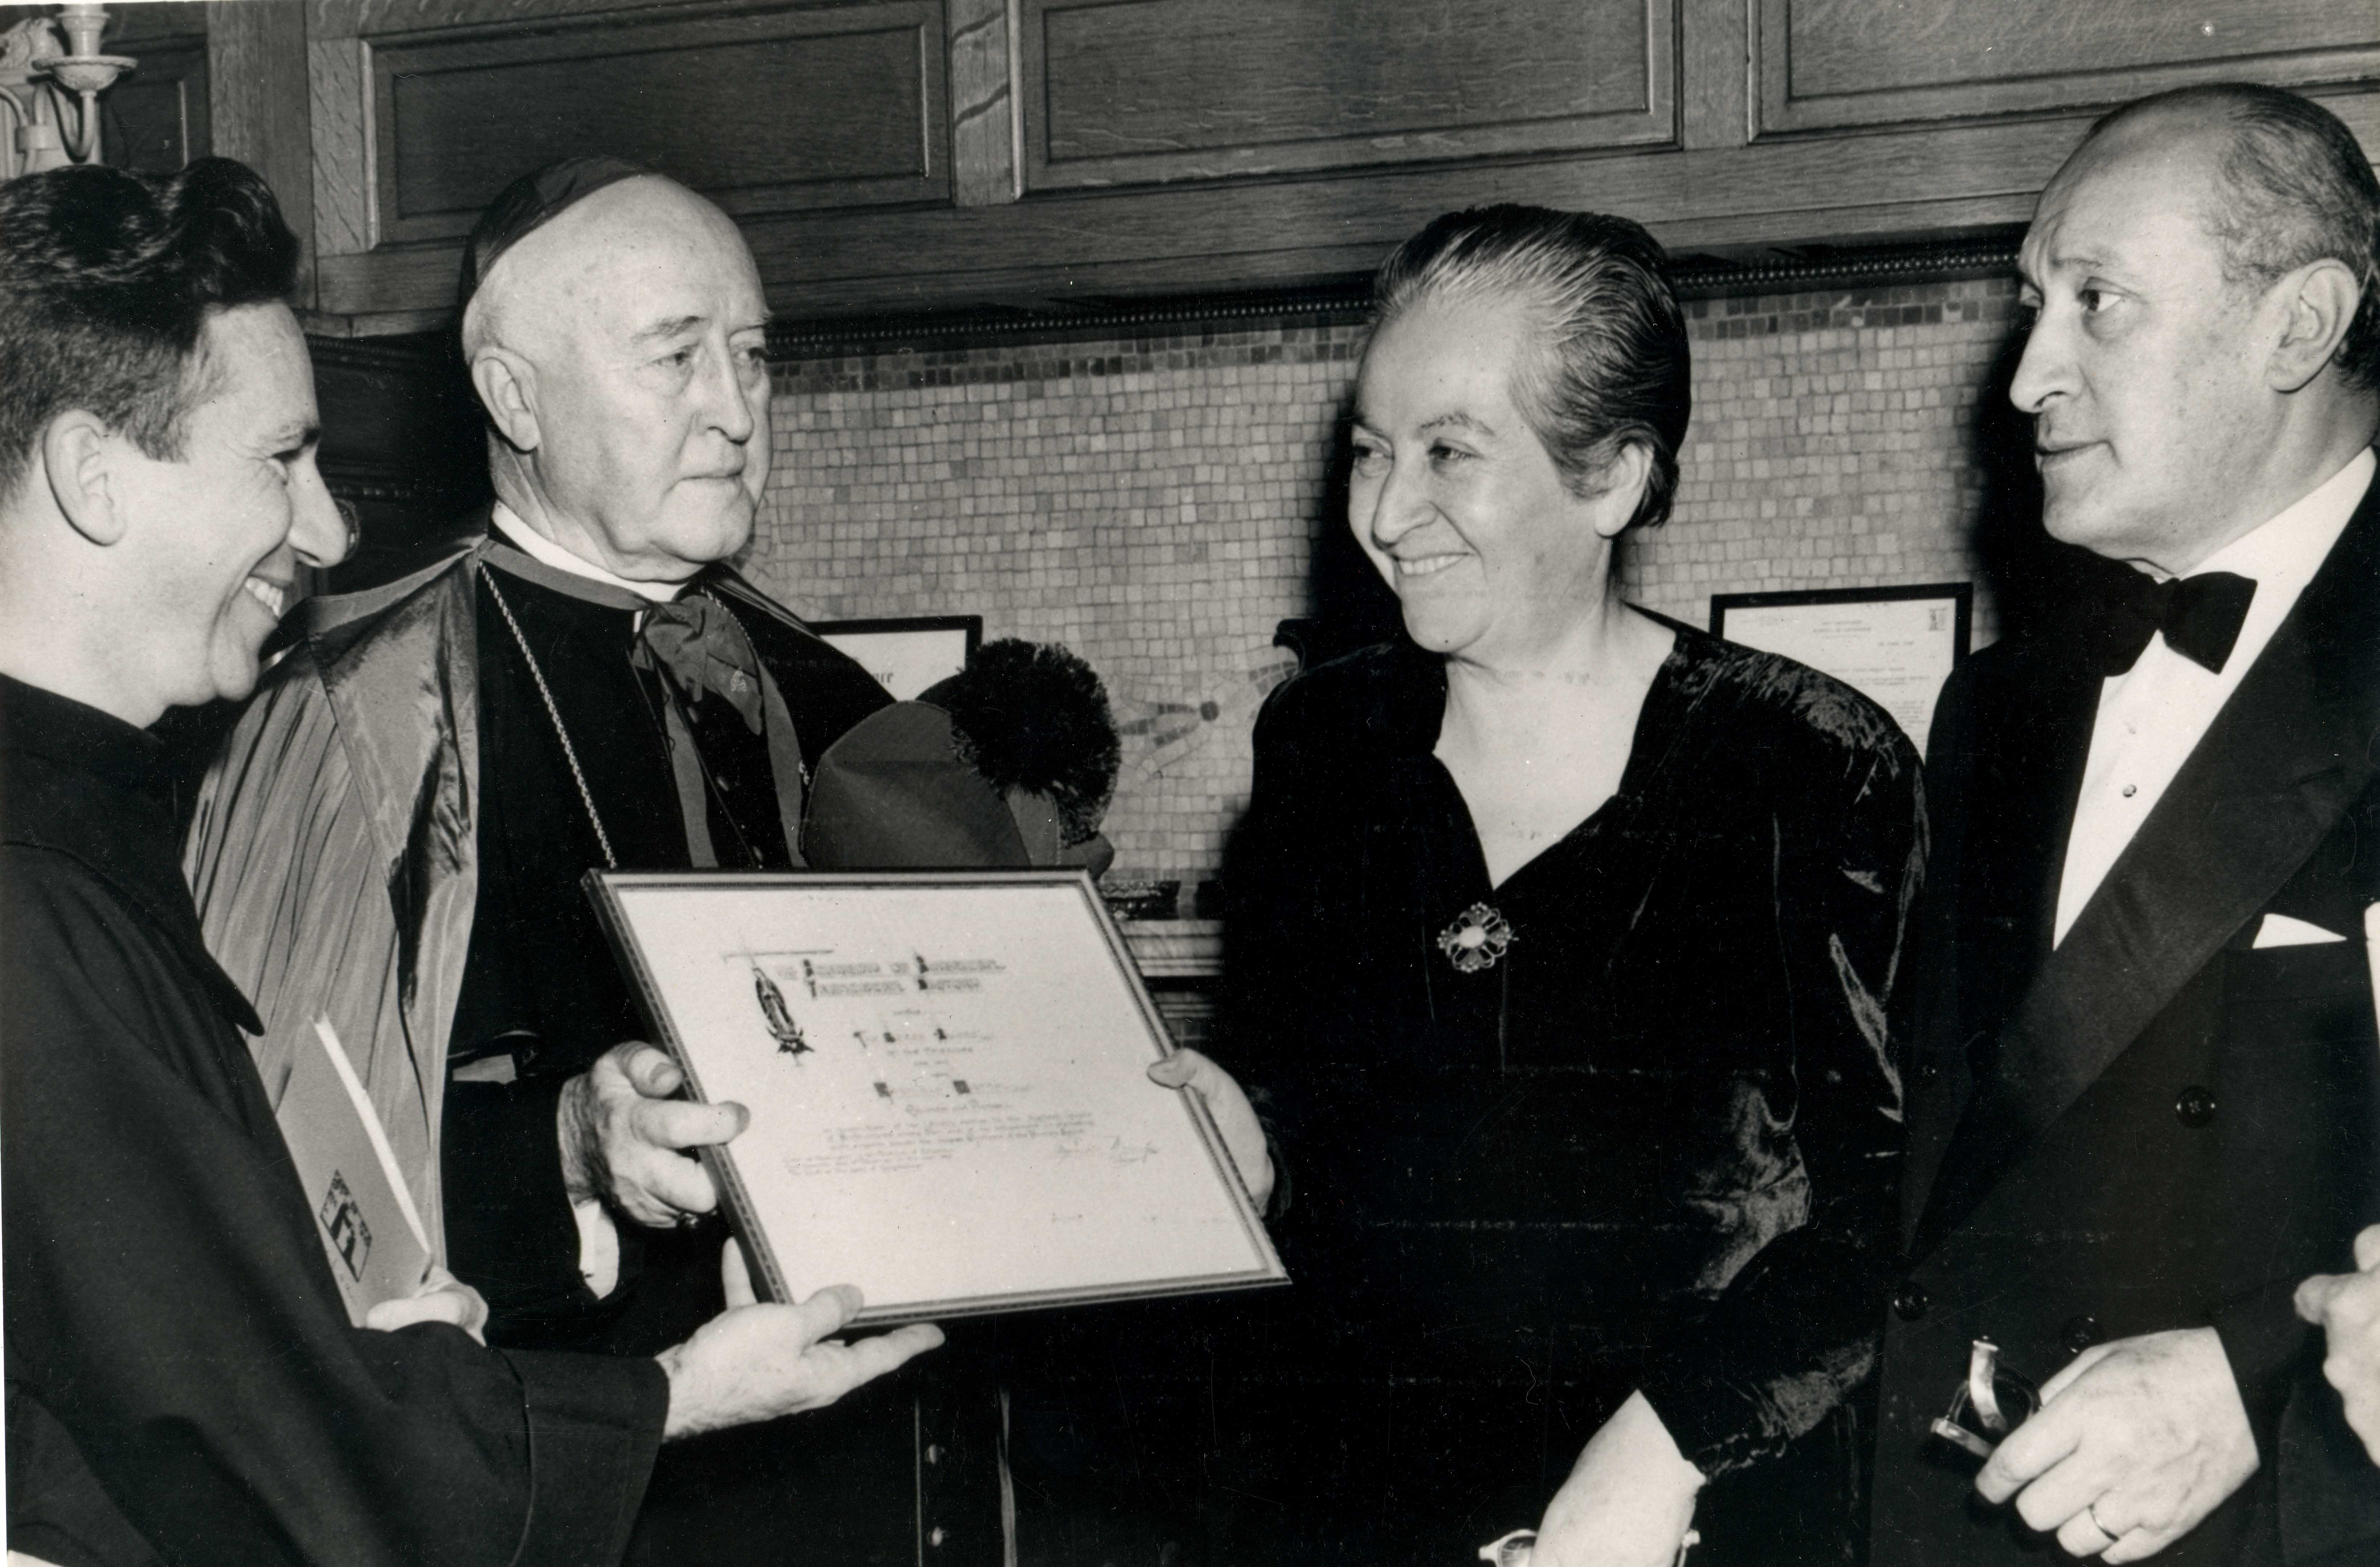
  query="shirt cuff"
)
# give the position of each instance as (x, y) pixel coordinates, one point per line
(598, 1246)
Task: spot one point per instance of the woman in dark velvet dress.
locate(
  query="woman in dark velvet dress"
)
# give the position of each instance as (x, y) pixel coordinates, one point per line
(1564, 949)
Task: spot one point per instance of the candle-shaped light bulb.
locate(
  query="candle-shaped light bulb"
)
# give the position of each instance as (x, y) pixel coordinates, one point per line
(83, 23)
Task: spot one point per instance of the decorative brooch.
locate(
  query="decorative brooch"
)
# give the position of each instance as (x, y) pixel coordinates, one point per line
(1476, 939)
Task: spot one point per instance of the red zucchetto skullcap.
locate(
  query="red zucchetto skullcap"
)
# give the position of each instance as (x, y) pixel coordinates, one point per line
(528, 204)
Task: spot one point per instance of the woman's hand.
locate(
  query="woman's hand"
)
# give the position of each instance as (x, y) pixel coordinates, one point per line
(1629, 1500)
(1243, 1139)
(441, 1298)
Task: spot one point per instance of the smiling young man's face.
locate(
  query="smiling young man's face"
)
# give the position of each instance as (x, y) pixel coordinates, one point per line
(2144, 370)
(222, 530)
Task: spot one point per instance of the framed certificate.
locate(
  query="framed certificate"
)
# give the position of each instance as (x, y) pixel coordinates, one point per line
(906, 655)
(1895, 646)
(946, 1075)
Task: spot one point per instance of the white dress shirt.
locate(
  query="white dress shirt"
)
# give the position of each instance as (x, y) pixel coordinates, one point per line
(2152, 716)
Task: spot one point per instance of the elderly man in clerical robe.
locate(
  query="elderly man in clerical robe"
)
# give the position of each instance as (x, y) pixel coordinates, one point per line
(395, 835)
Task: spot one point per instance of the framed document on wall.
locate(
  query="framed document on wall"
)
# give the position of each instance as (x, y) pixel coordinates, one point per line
(1894, 646)
(906, 654)
(946, 1073)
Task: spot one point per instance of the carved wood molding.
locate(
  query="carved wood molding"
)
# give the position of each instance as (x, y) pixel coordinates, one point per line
(1328, 304)
(421, 359)
(1990, 253)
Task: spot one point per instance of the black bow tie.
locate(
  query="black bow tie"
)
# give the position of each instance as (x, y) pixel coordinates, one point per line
(2200, 616)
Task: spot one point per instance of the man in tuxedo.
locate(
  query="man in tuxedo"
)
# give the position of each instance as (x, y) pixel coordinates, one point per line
(2148, 1091)
(395, 835)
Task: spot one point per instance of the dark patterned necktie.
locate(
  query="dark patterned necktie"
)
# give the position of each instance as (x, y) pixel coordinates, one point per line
(705, 648)
(2200, 616)
(704, 652)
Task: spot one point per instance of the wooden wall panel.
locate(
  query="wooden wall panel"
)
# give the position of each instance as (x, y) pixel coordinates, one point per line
(337, 106)
(1120, 171)
(983, 105)
(1133, 91)
(256, 103)
(763, 111)
(1185, 238)
(155, 118)
(1838, 64)
(1715, 74)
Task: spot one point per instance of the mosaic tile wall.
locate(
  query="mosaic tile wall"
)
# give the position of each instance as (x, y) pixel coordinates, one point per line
(1154, 504)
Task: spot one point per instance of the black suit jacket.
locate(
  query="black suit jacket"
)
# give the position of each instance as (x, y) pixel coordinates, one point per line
(2154, 1125)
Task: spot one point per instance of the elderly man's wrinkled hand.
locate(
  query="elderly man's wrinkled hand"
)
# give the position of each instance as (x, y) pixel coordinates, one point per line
(2345, 1307)
(624, 1138)
(1234, 1116)
(441, 1298)
(2137, 1440)
(757, 1362)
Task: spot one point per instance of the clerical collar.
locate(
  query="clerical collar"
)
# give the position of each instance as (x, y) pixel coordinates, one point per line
(545, 551)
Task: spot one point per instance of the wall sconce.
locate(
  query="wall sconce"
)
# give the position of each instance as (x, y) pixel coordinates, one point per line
(51, 130)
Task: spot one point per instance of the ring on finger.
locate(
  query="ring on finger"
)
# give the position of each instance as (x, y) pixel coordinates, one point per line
(2091, 1512)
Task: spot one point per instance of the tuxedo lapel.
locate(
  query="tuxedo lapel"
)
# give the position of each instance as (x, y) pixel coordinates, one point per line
(2021, 809)
(2006, 770)
(2283, 760)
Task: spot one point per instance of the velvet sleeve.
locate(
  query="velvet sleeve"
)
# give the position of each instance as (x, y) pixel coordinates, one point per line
(1799, 1328)
(1266, 901)
(170, 1306)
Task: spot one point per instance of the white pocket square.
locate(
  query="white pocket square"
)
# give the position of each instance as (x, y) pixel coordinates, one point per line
(2280, 931)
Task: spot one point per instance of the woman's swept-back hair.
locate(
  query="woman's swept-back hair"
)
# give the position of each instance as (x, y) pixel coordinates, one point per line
(106, 281)
(1610, 367)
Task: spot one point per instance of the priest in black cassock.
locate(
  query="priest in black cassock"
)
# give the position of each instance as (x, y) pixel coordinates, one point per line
(395, 837)
(184, 1383)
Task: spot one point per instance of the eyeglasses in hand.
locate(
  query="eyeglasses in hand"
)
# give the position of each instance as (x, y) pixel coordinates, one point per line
(1990, 1404)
